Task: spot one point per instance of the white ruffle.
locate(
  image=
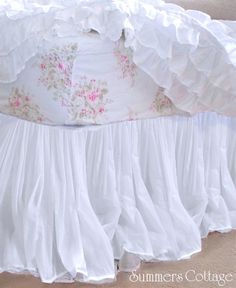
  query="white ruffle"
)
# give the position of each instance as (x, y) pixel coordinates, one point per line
(26, 28)
(191, 56)
(21, 39)
(74, 199)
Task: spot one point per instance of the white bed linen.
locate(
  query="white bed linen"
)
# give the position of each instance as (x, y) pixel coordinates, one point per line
(73, 200)
(53, 73)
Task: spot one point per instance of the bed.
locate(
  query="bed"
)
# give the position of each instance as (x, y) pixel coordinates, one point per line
(117, 135)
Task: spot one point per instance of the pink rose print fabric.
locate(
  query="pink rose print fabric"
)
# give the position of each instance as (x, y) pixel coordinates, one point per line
(89, 99)
(22, 105)
(84, 80)
(162, 104)
(83, 99)
(56, 70)
(125, 63)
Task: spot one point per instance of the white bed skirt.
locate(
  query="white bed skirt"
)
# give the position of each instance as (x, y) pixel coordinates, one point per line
(74, 199)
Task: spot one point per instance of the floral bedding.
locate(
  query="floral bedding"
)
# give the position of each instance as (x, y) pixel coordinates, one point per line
(84, 80)
(96, 62)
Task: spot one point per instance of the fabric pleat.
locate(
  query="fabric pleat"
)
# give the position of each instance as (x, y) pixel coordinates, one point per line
(74, 200)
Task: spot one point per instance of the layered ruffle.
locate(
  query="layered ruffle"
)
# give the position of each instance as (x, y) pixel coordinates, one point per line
(73, 200)
(27, 28)
(189, 55)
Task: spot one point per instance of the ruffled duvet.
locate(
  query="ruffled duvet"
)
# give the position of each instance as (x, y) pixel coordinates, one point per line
(189, 56)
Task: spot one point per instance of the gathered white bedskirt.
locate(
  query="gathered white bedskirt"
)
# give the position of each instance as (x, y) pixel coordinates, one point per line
(75, 199)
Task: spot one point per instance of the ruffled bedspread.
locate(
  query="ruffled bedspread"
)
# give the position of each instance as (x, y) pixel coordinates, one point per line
(81, 203)
(148, 59)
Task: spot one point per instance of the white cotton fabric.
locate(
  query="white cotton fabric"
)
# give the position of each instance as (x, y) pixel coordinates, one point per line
(75, 199)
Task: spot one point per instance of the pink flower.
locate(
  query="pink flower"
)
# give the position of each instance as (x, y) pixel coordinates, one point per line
(43, 66)
(61, 66)
(93, 96)
(16, 103)
(124, 58)
(101, 110)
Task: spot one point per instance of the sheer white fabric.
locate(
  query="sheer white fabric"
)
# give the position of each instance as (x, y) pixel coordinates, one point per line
(74, 199)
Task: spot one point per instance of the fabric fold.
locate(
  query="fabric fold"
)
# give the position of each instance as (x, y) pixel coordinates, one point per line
(193, 61)
(144, 190)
